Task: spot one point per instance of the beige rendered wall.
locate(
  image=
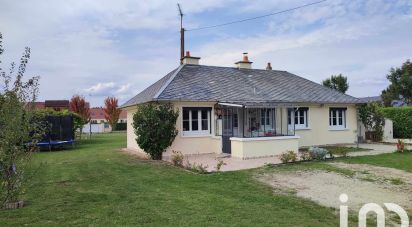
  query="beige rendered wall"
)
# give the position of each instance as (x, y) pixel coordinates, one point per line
(246, 148)
(319, 132)
(200, 144)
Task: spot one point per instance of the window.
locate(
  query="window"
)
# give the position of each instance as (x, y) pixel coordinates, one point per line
(235, 120)
(337, 118)
(301, 117)
(196, 121)
(265, 117)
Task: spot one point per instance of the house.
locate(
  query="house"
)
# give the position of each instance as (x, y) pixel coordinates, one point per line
(248, 113)
(97, 116)
(57, 105)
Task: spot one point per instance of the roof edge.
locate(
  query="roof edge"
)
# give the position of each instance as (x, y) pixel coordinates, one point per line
(167, 82)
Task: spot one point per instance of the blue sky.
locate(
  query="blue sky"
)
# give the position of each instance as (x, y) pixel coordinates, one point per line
(117, 48)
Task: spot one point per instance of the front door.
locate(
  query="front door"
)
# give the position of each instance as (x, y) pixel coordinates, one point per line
(227, 130)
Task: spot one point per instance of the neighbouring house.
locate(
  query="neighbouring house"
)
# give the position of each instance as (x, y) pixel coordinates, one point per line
(57, 105)
(98, 122)
(248, 113)
(97, 116)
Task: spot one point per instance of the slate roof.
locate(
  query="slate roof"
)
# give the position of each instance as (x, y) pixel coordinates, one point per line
(233, 85)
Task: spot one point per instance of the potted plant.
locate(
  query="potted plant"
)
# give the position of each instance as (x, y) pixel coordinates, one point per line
(400, 146)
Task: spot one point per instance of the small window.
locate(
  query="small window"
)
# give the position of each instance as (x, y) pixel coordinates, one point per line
(235, 120)
(196, 121)
(337, 118)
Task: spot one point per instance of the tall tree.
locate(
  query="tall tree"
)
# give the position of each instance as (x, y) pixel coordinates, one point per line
(337, 82)
(400, 87)
(17, 129)
(111, 111)
(79, 105)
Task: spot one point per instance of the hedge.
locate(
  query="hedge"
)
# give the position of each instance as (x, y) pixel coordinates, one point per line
(121, 126)
(402, 121)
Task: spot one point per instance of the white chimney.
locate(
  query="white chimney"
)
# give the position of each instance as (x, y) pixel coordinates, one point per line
(245, 63)
(187, 59)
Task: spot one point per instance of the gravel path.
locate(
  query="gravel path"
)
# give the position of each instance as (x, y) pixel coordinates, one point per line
(325, 187)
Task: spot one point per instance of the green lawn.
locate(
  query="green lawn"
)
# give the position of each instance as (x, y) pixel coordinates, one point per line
(402, 161)
(96, 184)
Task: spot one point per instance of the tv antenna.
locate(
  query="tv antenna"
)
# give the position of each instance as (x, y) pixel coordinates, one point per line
(182, 34)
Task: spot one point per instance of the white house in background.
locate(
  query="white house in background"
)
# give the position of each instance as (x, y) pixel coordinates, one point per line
(98, 122)
(247, 112)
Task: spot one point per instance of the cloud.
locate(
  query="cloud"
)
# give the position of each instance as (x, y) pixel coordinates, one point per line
(107, 89)
(120, 47)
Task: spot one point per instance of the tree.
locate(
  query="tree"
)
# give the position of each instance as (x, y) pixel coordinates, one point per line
(400, 87)
(111, 111)
(79, 105)
(338, 82)
(17, 129)
(155, 127)
(373, 119)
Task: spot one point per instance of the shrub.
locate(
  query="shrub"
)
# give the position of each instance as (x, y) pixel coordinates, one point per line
(121, 126)
(195, 167)
(373, 119)
(155, 127)
(305, 156)
(402, 120)
(18, 129)
(219, 164)
(400, 146)
(318, 153)
(288, 156)
(177, 158)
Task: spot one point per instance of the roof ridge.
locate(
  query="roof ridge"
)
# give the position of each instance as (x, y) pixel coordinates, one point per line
(232, 67)
(168, 82)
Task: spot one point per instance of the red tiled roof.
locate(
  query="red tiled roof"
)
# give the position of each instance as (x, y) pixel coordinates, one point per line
(57, 103)
(98, 113)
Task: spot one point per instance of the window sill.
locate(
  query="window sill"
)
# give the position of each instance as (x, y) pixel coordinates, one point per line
(195, 135)
(302, 129)
(339, 129)
(264, 138)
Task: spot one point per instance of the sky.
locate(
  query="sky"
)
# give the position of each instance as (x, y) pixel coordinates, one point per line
(100, 48)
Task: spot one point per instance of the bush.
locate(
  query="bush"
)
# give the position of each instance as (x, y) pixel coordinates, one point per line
(155, 127)
(305, 156)
(318, 153)
(288, 156)
(219, 164)
(177, 158)
(195, 167)
(121, 126)
(373, 119)
(402, 121)
(400, 146)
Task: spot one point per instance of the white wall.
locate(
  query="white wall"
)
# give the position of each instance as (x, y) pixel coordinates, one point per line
(317, 134)
(185, 144)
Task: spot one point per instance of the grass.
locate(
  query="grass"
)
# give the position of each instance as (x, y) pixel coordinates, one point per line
(95, 184)
(395, 160)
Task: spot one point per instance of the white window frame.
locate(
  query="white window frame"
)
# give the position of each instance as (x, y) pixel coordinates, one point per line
(193, 112)
(337, 112)
(297, 115)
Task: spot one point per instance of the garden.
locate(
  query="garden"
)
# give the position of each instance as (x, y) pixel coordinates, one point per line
(97, 184)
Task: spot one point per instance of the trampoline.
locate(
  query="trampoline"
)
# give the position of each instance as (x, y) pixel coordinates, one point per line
(60, 132)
